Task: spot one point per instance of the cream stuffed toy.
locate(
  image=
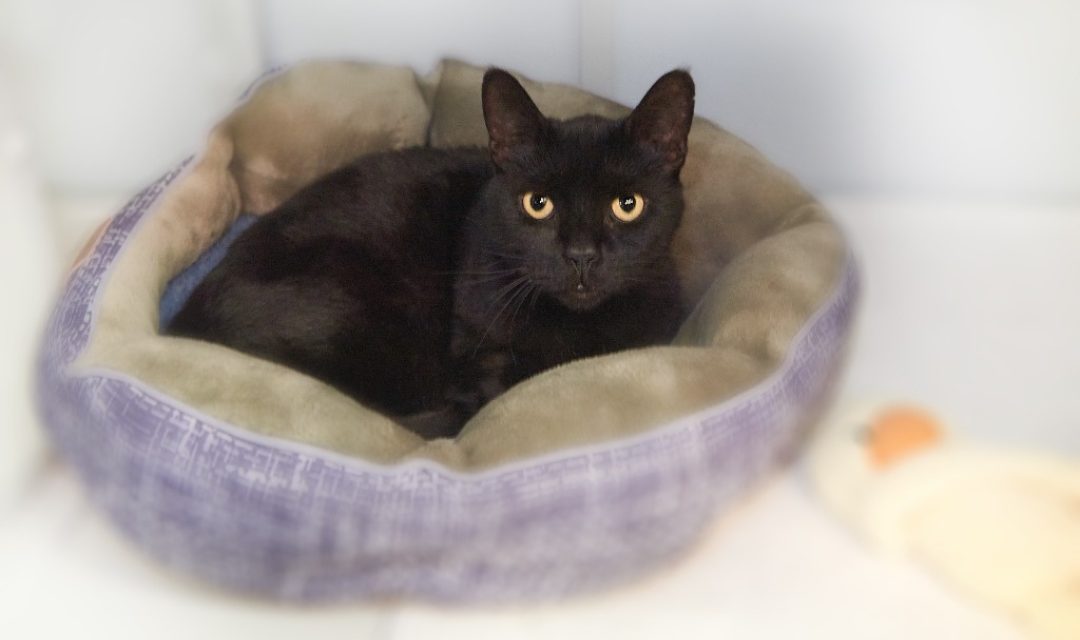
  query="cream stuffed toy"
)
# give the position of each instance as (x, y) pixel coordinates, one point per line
(1000, 524)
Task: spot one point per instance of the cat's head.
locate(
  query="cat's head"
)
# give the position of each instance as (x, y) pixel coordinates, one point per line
(586, 208)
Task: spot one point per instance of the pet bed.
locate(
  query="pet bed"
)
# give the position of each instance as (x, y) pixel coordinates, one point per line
(253, 476)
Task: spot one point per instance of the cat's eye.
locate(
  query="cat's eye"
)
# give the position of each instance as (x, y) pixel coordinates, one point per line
(628, 206)
(536, 205)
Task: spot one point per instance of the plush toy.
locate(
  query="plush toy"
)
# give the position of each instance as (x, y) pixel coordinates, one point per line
(1000, 524)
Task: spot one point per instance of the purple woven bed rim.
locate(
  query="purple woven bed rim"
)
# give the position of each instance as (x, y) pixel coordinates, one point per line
(287, 520)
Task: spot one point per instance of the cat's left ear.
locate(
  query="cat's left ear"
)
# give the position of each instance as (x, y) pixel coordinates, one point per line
(513, 121)
(662, 119)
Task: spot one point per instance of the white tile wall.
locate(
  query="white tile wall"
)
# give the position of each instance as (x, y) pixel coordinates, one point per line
(959, 99)
(539, 39)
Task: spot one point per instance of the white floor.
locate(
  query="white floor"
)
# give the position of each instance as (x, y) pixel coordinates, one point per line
(971, 310)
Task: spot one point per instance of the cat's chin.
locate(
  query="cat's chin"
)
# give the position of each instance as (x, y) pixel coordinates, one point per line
(580, 301)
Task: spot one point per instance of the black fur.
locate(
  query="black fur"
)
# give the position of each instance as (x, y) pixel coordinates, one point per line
(415, 281)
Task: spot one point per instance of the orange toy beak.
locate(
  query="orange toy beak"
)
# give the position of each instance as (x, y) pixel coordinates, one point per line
(900, 431)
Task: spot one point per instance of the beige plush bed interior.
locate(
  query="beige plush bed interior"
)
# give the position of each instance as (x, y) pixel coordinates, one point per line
(757, 257)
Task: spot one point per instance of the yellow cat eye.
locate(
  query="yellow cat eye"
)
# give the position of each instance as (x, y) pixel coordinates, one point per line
(628, 207)
(537, 206)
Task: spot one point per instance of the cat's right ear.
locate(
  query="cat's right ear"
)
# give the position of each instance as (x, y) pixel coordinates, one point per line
(514, 123)
(662, 119)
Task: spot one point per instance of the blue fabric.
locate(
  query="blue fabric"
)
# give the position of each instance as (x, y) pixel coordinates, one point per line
(180, 288)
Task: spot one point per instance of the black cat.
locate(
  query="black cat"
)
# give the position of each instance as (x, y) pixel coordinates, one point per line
(425, 282)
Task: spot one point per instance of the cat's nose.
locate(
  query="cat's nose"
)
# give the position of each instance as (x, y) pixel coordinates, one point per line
(581, 257)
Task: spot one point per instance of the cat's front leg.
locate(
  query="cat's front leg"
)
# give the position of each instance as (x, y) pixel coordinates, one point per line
(444, 422)
(477, 379)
